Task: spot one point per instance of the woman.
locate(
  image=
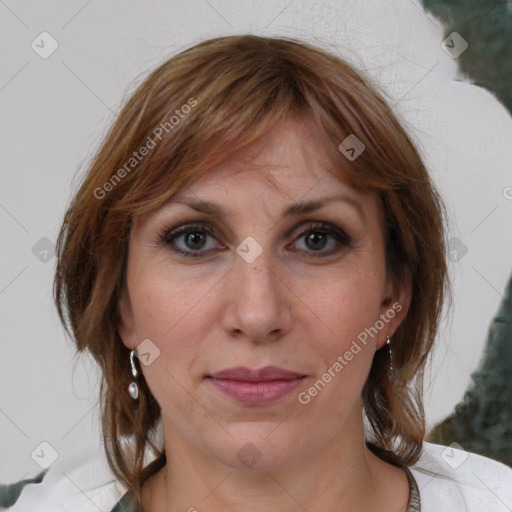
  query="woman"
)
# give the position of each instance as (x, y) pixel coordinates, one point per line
(256, 260)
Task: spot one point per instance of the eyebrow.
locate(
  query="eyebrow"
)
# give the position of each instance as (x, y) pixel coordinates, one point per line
(294, 209)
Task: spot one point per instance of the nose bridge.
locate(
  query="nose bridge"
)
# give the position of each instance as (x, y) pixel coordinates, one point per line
(256, 279)
(258, 275)
(257, 300)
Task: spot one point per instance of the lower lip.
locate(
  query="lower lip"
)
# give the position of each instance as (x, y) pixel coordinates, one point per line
(256, 393)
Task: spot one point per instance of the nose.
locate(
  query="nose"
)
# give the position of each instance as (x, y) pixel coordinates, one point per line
(258, 301)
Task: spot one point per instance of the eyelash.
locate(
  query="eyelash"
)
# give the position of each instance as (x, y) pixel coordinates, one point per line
(167, 237)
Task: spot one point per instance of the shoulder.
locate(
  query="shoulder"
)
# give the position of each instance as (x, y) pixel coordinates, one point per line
(74, 484)
(449, 478)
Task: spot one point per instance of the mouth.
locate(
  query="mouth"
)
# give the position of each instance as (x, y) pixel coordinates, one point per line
(253, 387)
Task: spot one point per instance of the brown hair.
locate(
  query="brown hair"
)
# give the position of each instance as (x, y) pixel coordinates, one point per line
(237, 88)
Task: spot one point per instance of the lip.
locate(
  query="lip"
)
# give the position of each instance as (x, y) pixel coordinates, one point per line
(256, 387)
(252, 375)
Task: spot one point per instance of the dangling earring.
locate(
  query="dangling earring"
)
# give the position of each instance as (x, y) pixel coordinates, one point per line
(388, 343)
(133, 388)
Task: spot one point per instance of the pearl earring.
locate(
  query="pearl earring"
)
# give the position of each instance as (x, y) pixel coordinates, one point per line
(133, 388)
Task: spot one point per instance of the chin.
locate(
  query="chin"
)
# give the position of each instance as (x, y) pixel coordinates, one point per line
(256, 448)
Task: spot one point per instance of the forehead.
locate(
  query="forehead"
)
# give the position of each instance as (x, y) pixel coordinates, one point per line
(292, 159)
(289, 171)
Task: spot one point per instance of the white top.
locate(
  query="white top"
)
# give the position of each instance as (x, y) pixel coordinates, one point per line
(461, 481)
(449, 480)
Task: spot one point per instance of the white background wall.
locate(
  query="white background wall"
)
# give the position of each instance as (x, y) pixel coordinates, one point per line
(54, 112)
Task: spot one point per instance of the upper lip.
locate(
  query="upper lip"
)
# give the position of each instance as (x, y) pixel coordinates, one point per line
(267, 373)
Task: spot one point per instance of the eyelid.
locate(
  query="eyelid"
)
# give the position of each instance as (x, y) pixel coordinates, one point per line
(343, 239)
(311, 225)
(296, 229)
(169, 231)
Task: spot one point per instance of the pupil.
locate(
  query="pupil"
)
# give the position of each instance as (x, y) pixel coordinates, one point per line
(317, 240)
(315, 237)
(195, 237)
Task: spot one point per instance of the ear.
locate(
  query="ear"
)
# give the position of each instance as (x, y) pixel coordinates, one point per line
(125, 322)
(395, 304)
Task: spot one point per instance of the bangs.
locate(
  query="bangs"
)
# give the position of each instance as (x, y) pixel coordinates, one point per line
(257, 89)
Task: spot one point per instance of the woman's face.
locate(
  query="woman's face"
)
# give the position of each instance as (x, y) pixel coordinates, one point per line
(247, 285)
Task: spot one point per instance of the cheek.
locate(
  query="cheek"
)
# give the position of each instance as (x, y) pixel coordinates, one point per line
(163, 301)
(349, 304)
(175, 313)
(345, 310)
(344, 352)
(166, 318)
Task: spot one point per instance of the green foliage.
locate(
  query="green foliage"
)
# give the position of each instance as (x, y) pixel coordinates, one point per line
(487, 27)
(482, 422)
(9, 494)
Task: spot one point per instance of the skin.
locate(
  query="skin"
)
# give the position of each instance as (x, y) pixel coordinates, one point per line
(290, 307)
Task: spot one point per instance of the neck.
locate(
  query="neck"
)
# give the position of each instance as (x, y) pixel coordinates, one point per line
(342, 475)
